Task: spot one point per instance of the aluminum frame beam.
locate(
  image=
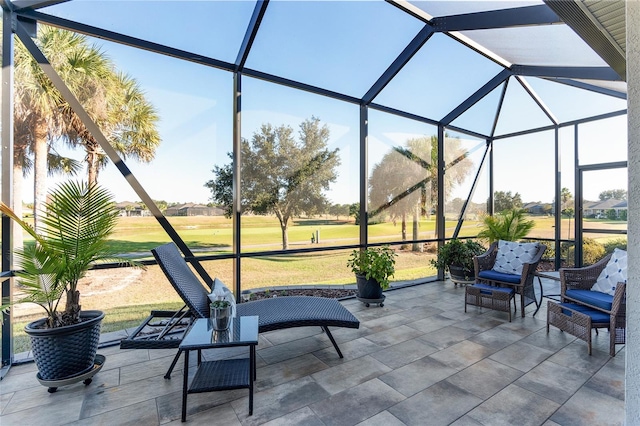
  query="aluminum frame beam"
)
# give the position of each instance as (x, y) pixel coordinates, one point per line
(34, 4)
(479, 94)
(6, 185)
(590, 87)
(545, 109)
(251, 33)
(474, 185)
(405, 56)
(125, 39)
(588, 73)
(501, 18)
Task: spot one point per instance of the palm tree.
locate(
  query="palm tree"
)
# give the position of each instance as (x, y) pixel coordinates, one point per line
(406, 179)
(130, 126)
(42, 117)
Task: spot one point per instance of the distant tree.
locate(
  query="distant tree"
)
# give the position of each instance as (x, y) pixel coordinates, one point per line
(615, 194)
(354, 210)
(566, 199)
(338, 210)
(505, 201)
(280, 175)
(405, 182)
(222, 186)
(162, 205)
(456, 204)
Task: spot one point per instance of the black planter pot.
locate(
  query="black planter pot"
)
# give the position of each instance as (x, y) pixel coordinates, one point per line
(64, 352)
(368, 288)
(460, 274)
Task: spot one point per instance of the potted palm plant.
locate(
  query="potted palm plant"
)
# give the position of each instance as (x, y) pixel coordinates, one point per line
(373, 267)
(508, 225)
(76, 225)
(456, 257)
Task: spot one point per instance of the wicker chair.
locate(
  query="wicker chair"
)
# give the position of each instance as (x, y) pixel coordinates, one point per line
(575, 287)
(522, 284)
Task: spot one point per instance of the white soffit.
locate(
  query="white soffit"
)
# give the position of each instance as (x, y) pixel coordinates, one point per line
(549, 45)
(459, 7)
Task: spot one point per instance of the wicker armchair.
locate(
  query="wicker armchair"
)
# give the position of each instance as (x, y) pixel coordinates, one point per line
(575, 287)
(523, 283)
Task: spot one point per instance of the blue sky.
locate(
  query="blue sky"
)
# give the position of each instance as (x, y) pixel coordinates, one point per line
(332, 50)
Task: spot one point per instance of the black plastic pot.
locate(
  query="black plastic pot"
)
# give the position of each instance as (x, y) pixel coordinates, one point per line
(65, 352)
(458, 273)
(368, 288)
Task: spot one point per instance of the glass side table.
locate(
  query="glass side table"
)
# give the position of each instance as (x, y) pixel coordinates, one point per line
(221, 374)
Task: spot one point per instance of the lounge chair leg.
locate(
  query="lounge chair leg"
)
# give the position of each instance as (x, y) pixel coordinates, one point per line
(335, 345)
(173, 364)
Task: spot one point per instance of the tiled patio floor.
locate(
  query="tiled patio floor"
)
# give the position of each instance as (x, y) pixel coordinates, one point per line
(419, 360)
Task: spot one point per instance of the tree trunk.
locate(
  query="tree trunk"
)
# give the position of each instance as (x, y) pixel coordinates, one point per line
(40, 152)
(285, 235)
(71, 313)
(416, 215)
(404, 231)
(92, 174)
(284, 227)
(18, 240)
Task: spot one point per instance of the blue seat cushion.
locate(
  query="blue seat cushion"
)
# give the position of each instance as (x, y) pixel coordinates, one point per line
(492, 275)
(595, 298)
(596, 316)
(487, 289)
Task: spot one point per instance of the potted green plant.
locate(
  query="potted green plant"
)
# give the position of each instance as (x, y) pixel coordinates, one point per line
(76, 223)
(456, 257)
(508, 225)
(373, 267)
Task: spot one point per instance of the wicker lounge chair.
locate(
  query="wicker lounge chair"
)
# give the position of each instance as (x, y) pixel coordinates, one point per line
(274, 314)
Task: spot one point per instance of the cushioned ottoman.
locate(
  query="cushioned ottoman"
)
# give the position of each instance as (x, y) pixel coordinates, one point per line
(577, 320)
(492, 297)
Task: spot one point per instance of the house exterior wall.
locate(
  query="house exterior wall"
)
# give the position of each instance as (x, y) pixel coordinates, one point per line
(632, 348)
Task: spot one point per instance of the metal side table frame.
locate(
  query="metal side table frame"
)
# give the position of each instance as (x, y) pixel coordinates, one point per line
(224, 374)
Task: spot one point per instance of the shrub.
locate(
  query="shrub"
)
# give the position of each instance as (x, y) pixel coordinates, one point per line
(592, 251)
(620, 243)
(458, 253)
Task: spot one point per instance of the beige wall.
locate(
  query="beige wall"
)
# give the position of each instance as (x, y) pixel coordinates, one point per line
(632, 347)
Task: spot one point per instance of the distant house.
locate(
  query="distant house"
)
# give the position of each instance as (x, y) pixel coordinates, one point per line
(538, 208)
(191, 209)
(600, 209)
(129, 209)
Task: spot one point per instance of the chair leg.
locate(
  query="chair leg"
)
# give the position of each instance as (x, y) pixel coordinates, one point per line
(335, 345)
(173, 364)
